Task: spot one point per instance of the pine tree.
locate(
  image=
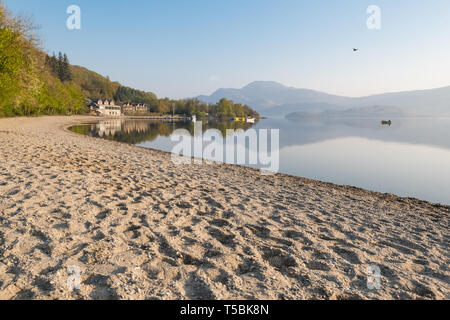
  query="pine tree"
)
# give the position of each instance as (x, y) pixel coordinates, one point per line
(67, 75)
(52, 63)
(60, 66)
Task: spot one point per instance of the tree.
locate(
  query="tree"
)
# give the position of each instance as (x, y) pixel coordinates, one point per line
(67, 75)
(60, 66)
(53, 63)
(164, 105)
(19, 65)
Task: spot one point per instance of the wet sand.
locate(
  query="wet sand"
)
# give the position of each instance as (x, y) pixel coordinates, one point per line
(139, 227)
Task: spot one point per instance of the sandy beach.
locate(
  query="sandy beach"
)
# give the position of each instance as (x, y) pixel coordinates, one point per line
(139, 227)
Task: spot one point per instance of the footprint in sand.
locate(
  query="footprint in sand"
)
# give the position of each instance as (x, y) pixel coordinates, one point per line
(318, 265)
(223, 238)
(278, 259)
(197, 289)
(102, 289)
(348, 255)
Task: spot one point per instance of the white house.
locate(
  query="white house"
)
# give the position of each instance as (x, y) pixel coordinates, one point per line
(105, 108)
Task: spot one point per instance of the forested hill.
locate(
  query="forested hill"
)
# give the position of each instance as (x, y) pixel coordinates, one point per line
(94, 85)
(35, 83)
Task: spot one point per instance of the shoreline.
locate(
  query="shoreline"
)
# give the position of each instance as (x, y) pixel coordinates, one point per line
(140, 227)
(257, 171)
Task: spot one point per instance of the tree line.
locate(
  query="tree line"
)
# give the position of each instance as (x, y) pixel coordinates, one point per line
(33, 82)
(126, 94)
(60, 66)
(224, 109)
(28, 85)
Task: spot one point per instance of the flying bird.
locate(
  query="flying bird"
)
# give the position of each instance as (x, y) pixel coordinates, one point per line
(355, 49)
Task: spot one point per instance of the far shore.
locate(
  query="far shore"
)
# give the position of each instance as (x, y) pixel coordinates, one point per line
(154, 117)
(138, 226)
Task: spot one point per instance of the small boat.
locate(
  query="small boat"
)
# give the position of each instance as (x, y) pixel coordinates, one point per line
(386, 123)
(239, 119)
(250, 120)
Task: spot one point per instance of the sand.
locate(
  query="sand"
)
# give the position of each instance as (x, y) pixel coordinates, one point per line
(139, 227)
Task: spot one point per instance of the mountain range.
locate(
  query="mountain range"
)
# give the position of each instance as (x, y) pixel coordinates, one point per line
(362, 112)
(274, 99)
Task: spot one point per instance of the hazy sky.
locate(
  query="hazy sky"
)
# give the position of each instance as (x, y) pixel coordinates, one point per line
(182, 48)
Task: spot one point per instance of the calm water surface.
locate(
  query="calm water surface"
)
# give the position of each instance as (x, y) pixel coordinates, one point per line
(409, 158)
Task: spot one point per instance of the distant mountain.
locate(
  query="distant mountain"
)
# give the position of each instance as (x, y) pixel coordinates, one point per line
(422, 102)
(380, 112)
(262, 95)
(274, 99)
(285, 109)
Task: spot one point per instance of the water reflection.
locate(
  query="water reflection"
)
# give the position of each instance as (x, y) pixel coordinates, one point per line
(136, 131)
(426, 131)
(409, 158)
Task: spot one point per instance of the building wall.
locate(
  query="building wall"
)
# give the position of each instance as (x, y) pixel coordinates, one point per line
(133, 109)
(109, 110)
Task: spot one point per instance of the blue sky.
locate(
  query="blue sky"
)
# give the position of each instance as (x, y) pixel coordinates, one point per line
(182, 48)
